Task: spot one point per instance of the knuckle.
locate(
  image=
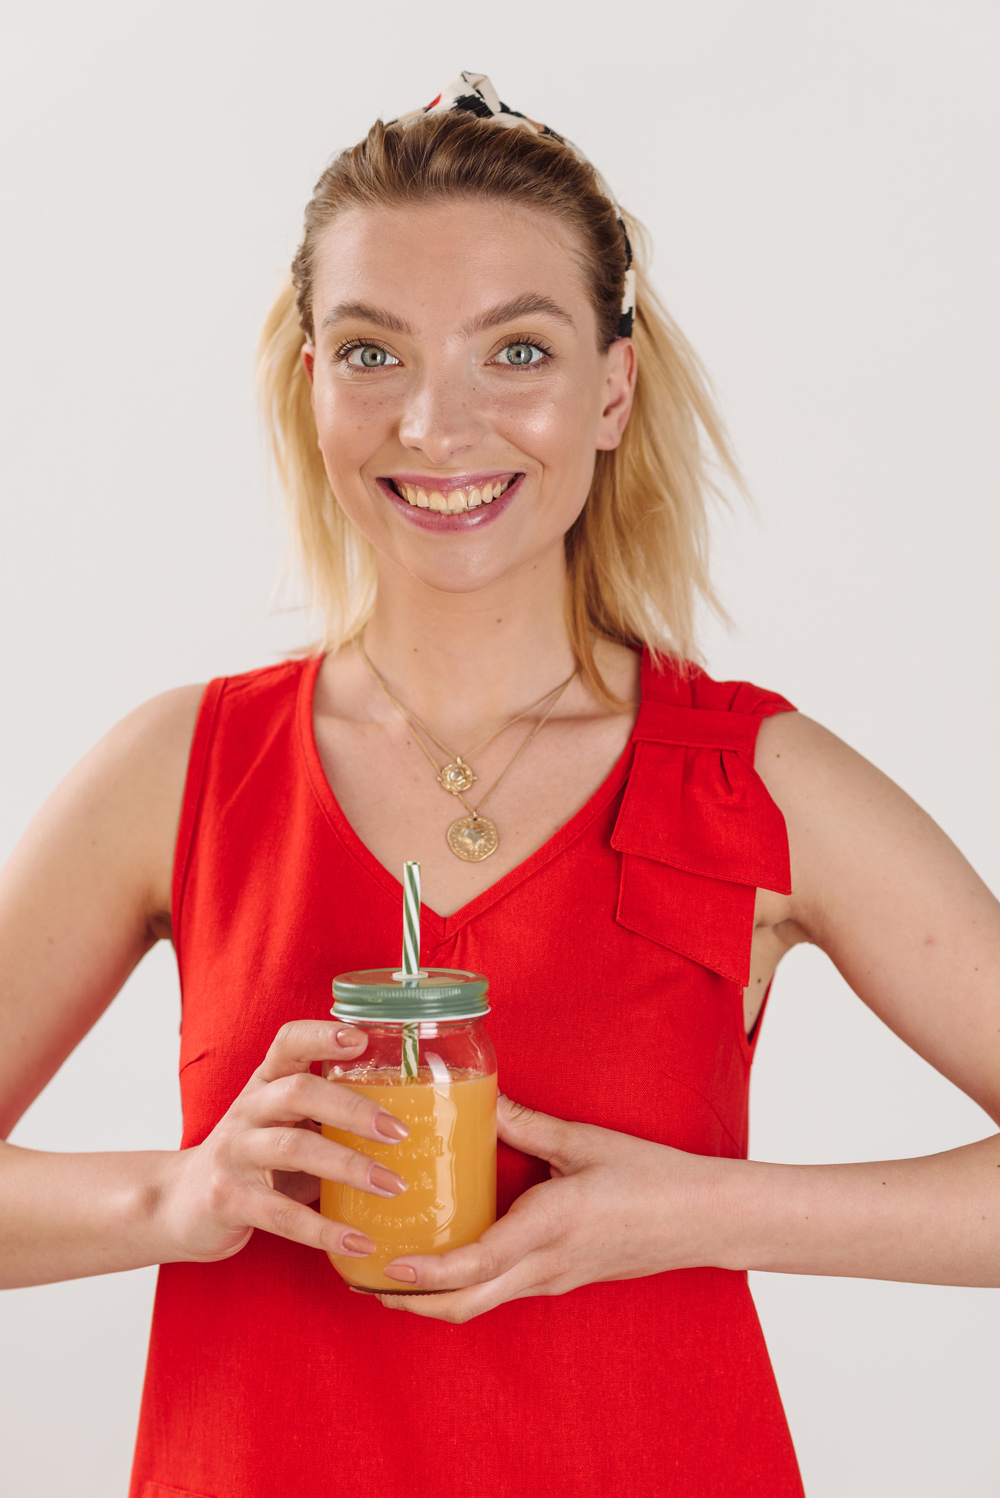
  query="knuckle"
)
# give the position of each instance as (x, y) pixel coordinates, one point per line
(296, 1040)
(288, 1093)
(489, 1265)
(359, 1112)
(284, 1040)
(284, 1143)
(283, 1216)
(357, 1103)
(218, 1192)
(521, 1113)
(359, 1167)
(299, 1086)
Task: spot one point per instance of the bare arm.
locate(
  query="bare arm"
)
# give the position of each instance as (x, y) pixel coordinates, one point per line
(85, 895)
(83, 898)
(914, 930)
(86, 892)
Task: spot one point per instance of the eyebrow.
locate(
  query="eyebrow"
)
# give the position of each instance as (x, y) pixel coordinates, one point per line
(531, 304)
(364, 313)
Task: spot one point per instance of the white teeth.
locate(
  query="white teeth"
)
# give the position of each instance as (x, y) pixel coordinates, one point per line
(456, 500)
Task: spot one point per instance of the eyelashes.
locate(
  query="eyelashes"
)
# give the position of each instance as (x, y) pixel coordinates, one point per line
(365, 345)
(525, 340)
(342, 354)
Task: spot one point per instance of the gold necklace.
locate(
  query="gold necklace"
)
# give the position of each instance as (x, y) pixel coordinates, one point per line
(458, 775)
(474, 837)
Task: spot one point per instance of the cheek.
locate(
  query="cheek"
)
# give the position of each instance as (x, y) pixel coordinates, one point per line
(553, 420)
(350, 423)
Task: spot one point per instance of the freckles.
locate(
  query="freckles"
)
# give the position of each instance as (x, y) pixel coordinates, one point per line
(353, 416)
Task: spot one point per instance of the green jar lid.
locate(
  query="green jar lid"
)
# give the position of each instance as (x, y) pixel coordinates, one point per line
(381, 995)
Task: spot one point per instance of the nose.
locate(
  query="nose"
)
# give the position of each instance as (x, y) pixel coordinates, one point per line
(441, 418)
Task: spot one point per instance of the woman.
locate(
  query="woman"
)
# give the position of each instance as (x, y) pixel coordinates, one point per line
(516, 548)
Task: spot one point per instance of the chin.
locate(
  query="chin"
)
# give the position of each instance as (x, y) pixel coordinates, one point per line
(458, 580)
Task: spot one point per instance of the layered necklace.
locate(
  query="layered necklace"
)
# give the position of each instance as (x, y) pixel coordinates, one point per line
(474, 837)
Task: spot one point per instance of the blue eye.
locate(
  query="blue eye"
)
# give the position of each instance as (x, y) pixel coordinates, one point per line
(521, 354)
(367, 356)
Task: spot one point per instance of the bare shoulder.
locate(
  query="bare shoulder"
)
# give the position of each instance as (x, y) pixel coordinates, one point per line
(137, 774)
(842, 812)
(143, 757)
(795, 753)
(151, 745)
(119, 807)
(846, 819)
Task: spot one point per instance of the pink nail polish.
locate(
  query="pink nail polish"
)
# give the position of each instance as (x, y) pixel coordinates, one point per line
(357, 1244)
(390, 1128)
(400, 1272)
(386, 1180)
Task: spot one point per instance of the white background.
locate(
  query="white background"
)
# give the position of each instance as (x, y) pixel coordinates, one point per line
(820, 182)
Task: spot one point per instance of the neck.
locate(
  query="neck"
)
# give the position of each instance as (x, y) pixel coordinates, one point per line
(465, 660)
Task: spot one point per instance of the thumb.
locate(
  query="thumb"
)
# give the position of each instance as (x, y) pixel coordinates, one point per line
(538, 1134)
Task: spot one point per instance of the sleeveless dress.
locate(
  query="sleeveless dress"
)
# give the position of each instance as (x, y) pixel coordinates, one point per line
(266, 1377)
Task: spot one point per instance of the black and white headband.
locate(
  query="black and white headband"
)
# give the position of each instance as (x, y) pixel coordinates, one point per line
(473, 93)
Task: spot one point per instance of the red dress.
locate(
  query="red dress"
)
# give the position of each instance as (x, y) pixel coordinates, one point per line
(266, 1377)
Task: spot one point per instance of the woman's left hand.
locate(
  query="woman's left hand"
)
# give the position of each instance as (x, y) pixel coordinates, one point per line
(616, 1208)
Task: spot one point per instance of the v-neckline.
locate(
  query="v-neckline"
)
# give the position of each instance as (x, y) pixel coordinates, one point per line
(441, 928)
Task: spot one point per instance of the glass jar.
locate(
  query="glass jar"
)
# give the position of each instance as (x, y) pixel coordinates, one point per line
(430, 1063)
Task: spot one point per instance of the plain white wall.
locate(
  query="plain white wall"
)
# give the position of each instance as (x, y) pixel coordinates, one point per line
(819, 180)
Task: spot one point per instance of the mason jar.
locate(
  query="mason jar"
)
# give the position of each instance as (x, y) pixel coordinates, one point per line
(430, 1063)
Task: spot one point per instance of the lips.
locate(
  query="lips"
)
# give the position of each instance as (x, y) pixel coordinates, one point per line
(459, 502)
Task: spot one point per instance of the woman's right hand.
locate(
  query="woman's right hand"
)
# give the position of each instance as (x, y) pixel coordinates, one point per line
(223, 1188)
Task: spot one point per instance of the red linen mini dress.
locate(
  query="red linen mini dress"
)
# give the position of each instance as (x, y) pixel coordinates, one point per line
(267, 1378)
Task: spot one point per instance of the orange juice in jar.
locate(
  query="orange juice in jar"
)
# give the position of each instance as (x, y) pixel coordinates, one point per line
(430, 1063)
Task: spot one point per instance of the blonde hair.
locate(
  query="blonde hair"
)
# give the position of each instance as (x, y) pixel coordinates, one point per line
(637, 555)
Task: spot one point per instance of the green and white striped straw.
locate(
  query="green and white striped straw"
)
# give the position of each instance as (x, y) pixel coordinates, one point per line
(411, 921)
(411, 961)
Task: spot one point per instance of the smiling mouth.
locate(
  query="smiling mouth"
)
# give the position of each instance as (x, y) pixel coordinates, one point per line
(452, 501)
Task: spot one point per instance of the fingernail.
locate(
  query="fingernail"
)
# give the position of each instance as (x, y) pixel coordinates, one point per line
(349, 1037)
(387, 1180)
(390, 1128)
(357, 1244)
(400, 1272)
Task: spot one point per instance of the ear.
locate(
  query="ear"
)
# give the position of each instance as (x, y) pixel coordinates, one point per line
(619, 390)
(308, 360)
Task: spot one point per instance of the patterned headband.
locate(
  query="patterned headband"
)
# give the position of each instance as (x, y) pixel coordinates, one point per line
(474, 94)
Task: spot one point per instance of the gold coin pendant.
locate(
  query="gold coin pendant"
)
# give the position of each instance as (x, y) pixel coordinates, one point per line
(457, 776)
(473, 838)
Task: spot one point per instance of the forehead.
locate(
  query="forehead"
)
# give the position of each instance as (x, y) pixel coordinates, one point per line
(452, 258)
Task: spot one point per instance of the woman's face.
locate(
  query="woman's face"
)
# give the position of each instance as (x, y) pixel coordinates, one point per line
(459, 391)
